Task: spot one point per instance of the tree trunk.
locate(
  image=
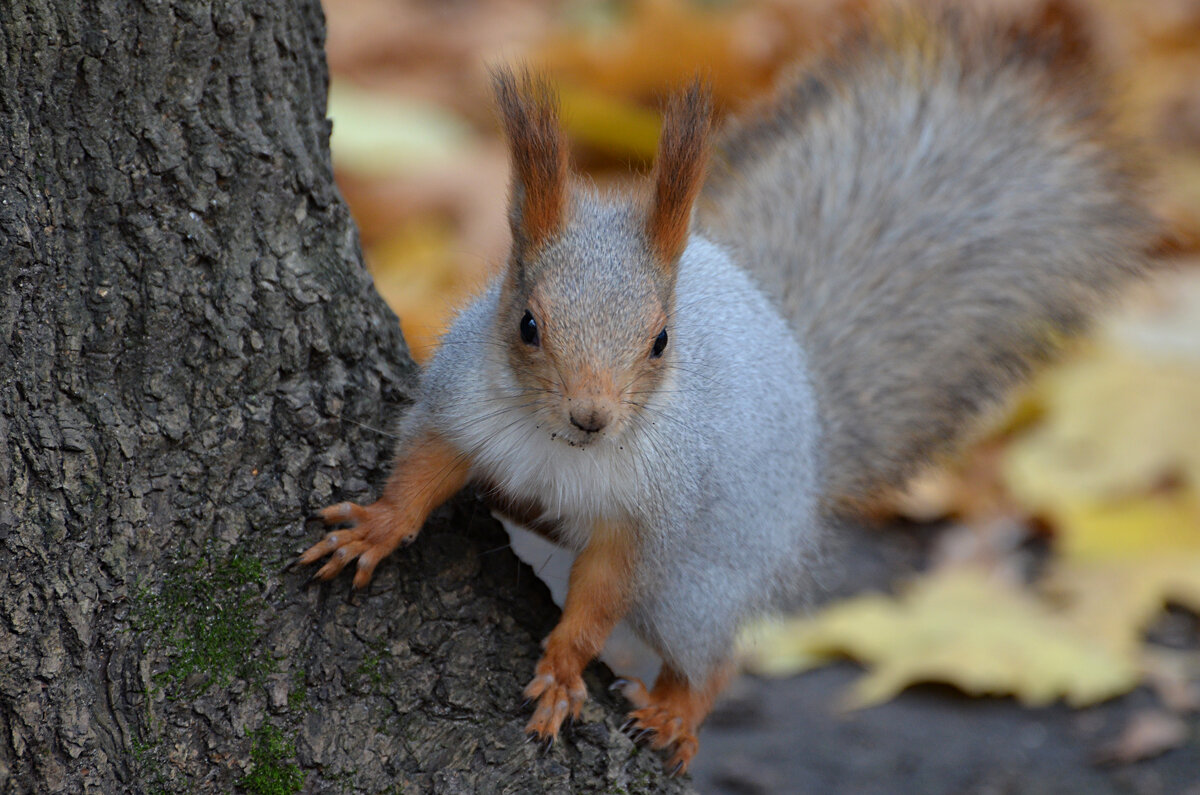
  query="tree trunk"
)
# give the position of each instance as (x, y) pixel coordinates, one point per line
(193, 359)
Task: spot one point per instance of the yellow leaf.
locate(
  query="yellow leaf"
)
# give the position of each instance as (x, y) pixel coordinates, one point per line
(1122, 531)
(378, 134)
(979, 635)
(1122, 419)
(619, 128)
(1115, 467)
(1114, 601)
(1116, 422)
(1122, 562)
(414, 274)
(778, 648)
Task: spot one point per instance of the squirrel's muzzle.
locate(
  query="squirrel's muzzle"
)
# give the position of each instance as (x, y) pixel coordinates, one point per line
(591, 418)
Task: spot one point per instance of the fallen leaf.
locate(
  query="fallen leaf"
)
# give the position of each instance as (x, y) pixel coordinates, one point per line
(994, 546)
(984, 637)
(618, 128)
(1174, 675)
(379, 134)
(1117, 422)
(1164, 525)
(413, 273)
(1148, 734)
(774, 647)
(1115, 602)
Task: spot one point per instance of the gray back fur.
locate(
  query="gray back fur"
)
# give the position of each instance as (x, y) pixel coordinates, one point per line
(931, 213)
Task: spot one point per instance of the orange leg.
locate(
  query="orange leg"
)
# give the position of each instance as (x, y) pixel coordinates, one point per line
(426, 473)
(597, 598)
(668, 716)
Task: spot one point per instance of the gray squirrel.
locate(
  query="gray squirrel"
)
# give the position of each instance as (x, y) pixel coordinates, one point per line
(691, 384)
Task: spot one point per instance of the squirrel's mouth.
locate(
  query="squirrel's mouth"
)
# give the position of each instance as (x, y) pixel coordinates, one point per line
(582, 438)
(587, 422)
(576, 438)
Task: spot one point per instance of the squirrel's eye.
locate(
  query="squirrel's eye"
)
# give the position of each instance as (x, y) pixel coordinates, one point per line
(660, 343)
(529, 333)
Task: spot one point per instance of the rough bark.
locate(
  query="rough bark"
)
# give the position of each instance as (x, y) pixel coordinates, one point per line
(193, 359)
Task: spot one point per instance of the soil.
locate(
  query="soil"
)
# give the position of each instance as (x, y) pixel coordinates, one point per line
(788, 735)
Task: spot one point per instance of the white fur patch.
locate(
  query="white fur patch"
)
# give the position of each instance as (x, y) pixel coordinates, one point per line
(525, 453)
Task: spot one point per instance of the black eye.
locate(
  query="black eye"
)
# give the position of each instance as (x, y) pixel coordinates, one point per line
(660, 343)
(529, 333)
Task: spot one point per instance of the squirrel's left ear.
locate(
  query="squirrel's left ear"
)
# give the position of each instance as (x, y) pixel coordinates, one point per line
(683, 151)
(538, 149)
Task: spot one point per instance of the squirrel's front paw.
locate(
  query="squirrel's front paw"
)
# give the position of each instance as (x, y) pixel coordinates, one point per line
(559, 691)
(376, 530)
(663, 720)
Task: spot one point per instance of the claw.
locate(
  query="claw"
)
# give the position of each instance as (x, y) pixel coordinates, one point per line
(666, 718)
(371, 535)
(558, 693)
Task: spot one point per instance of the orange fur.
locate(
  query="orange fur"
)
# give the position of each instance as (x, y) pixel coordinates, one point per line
(683, 151)
(597, 598)
(1059, 33)
(589, 382)
(538, 149)
(426, 473)
(672, 712)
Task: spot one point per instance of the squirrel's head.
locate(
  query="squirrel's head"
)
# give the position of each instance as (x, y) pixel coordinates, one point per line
(588, 292)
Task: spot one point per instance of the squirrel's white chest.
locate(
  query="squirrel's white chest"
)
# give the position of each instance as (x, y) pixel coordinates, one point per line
(575, 485)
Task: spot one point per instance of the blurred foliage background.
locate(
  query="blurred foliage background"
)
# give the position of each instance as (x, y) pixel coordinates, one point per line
(1098, 461)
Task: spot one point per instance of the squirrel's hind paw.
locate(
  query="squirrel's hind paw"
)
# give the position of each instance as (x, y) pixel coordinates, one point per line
(667, 717)
(633, 691)
(658, 726)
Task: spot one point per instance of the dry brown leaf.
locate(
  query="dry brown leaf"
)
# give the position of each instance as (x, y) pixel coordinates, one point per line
(1148, 734)
(1175, 678)
(992, 546)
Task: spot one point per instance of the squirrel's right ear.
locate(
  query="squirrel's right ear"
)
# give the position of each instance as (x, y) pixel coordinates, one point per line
(538, 151)
(679, 169)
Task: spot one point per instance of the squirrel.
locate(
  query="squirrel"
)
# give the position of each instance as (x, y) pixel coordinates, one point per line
(692, 383)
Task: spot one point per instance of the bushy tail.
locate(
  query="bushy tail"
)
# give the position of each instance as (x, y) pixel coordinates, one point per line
(936, 207)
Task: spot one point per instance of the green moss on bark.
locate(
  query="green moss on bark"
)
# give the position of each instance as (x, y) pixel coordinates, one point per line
(203, 616)
(274, 773)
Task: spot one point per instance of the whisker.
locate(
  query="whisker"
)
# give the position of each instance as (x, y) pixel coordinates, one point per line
(659, 412)
(370, 428)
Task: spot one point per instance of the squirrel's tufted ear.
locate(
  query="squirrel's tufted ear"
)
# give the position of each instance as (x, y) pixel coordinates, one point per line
(529, 111)
(683, 151)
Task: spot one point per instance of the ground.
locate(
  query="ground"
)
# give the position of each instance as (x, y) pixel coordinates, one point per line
(787, 735)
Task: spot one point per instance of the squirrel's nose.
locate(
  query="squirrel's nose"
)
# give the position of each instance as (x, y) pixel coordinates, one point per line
(590, 420)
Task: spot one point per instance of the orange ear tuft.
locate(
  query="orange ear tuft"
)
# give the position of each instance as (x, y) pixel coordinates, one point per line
(538, 148)
(683, 151)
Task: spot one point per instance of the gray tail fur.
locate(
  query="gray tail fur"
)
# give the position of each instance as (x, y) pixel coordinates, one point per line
(935, 208)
